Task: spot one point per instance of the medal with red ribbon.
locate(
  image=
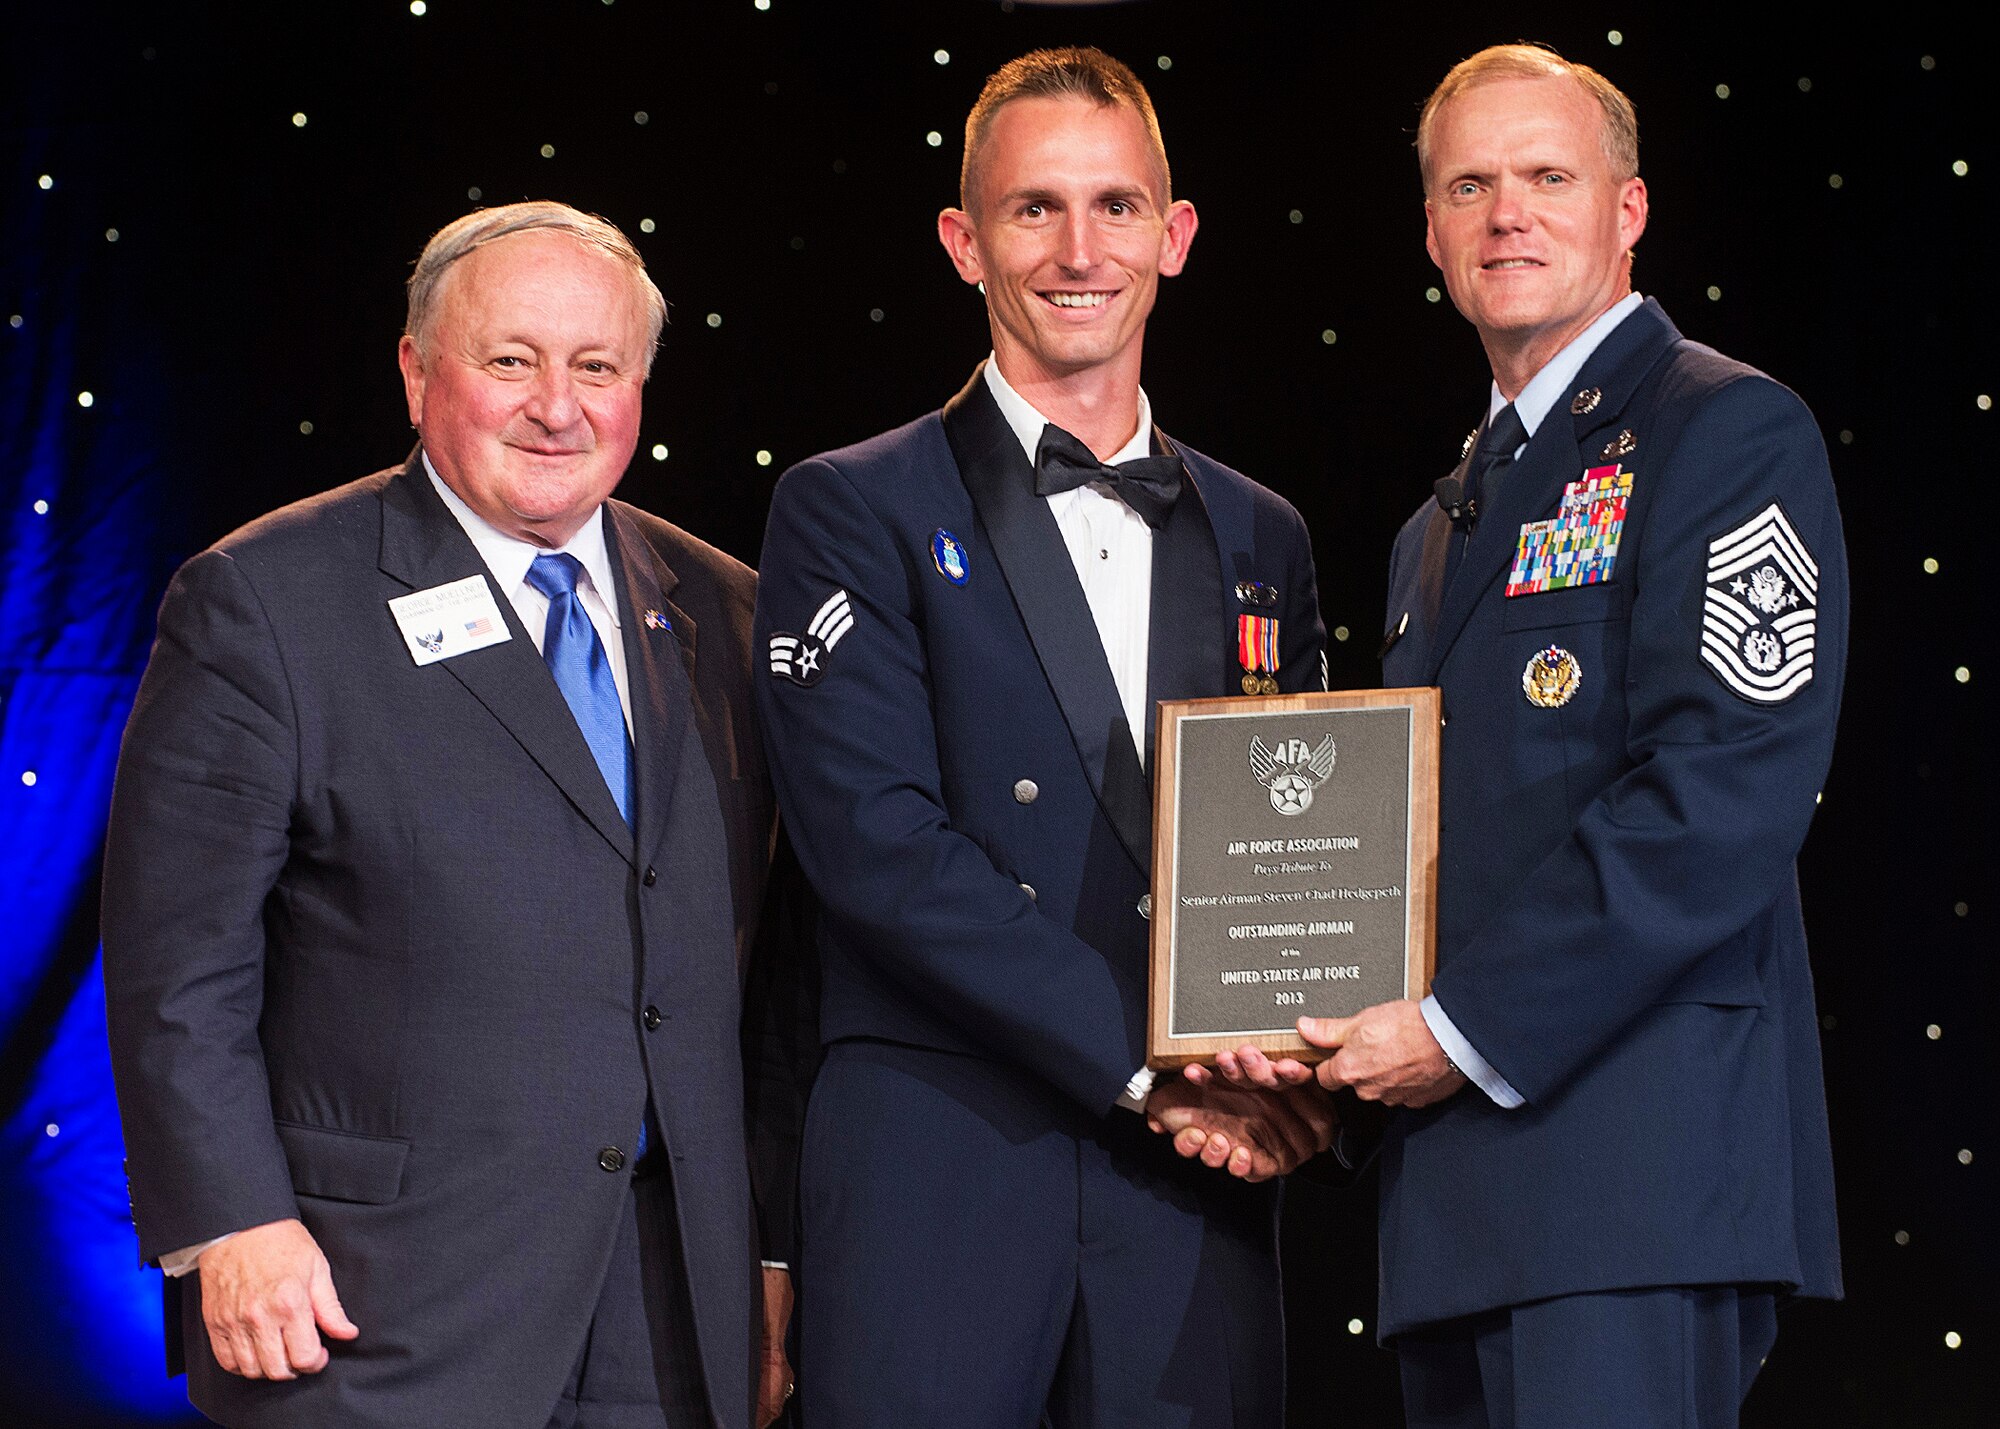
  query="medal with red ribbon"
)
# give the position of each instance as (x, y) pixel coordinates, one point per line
(1257, 653)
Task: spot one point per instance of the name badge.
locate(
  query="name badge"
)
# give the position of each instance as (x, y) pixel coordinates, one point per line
(451, 619)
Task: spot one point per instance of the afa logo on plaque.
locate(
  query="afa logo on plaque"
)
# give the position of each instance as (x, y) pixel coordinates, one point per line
(1292, 771)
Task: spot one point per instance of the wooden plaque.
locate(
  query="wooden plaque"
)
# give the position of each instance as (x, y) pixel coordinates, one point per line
(1294, 865)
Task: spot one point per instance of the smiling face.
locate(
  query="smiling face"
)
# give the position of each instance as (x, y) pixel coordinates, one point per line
(1526, 220)
(1070, 230)
(525, 384)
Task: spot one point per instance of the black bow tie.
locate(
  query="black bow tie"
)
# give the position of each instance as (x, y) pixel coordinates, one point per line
(1150, 485)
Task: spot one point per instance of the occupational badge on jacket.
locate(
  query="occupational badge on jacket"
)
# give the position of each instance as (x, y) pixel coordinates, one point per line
(1552, 677)
(1291, 771)
(1761, 612)
(948, 555)
(802, 658)
(1579, 544)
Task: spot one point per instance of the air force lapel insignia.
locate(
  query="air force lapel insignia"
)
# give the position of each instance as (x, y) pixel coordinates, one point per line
(802, 658)
(948, 555)
(1761, 610)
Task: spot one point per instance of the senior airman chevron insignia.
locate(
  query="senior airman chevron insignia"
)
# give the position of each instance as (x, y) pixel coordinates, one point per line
(802, 658)
(1762, 609)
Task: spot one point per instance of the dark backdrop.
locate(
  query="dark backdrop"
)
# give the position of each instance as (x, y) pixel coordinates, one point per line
(208, 213)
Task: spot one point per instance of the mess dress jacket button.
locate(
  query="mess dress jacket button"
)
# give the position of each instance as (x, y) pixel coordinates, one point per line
(611, 1159)
(1029, 889)
(651, 1017)
(650, 877)
(1145, 905)
(1025, 791)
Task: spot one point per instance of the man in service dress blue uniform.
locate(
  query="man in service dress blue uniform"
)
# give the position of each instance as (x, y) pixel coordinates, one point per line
(967, 621)
(1611, 1159)
(440, 837)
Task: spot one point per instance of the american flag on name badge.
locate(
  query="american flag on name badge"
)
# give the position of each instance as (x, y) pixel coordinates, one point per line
(481, 626)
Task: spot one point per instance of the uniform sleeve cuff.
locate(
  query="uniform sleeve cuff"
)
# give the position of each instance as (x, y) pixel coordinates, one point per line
(1133, 1098)
(1465, 1057)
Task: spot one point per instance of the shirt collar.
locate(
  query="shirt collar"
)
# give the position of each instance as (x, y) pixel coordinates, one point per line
(1028, 423)
(509, 557)
(1559, 371)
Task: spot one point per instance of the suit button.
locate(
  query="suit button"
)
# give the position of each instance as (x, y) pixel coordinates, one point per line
(650, 877)
(1025, 791)
(611, 1159)
(651, 1017)
(1145, 905)
(1029, 889)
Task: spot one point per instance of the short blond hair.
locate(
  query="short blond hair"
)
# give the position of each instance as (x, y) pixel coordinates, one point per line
(487, 225)
(1077, 72)
(1619, 137)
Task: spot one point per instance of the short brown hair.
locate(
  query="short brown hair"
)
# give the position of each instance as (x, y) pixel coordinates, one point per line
(1619, 136)
(1071, 73)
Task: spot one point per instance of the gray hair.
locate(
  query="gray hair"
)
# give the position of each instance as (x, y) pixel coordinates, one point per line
(1618, 135)
(488, 225)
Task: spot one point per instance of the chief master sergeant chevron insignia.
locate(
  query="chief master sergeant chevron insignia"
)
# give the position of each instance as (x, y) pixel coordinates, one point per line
(1762, 609)
(802, 658)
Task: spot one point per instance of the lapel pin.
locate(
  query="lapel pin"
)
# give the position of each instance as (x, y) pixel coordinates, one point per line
(1256, 593)
(1621, 445)
(948, 555)
(1465, 447)
(1585, 401)
(656, 621)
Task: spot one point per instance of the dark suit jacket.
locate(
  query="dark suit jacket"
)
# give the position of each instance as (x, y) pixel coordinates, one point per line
(380, 954)
(1619, 929)
(961, 784)
(956, 914)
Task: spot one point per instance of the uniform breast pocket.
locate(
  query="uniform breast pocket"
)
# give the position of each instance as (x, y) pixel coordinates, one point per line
(1574, 605)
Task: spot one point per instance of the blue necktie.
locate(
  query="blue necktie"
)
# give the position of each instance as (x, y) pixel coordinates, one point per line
(576, 658)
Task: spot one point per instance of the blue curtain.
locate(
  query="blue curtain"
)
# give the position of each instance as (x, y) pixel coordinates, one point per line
(85, 546)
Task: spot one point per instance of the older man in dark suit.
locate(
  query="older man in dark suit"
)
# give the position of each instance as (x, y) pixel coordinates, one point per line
(439, 843)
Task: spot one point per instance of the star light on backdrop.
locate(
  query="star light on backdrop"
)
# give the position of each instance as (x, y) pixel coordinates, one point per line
(197, 251)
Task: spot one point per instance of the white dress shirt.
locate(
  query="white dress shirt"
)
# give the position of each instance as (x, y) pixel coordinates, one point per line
(1111, 547)
(508, 558)
(1532, 407)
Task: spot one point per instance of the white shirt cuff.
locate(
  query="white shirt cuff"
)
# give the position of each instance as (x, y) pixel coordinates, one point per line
(1466, 1058)
(1133, 1098)
(176, 1263)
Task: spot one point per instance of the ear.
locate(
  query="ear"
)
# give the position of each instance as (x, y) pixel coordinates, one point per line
(1431, 238)
(956, 233)
(1178, 237)
(411, 360)
(1632, 211)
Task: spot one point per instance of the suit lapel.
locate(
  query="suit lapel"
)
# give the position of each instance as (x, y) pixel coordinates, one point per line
(1029, 548)
(659, 668)
(424, 546)
(1188, 616)
(1555, 457)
